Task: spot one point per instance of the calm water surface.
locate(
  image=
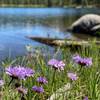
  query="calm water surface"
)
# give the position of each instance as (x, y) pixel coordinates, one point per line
(17, 23)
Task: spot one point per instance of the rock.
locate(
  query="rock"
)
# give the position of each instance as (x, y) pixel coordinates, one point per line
(89, 24)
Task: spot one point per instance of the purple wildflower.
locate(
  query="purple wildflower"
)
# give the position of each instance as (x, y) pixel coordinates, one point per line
(42, 80)
(72, 76)
(1, 83)
(38, 89)
(56, 64)
(19, 72)
(29, 72)
(82, 61)
(85, 98)
(22, 90)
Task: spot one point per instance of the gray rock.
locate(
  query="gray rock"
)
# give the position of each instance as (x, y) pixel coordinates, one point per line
(89, 23)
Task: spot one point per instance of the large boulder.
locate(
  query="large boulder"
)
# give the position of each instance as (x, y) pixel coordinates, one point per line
(89, 24)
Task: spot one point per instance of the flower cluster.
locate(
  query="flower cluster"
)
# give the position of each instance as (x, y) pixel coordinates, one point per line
(72, 76)
(42, 80)
(82, 61)
(38, 89)
(85, 98)
(19, 72)
(22, 90)
(59, 65)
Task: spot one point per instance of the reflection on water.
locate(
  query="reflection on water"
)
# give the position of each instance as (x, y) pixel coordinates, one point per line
(16, 23)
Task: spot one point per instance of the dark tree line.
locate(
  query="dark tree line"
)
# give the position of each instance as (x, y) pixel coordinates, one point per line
(50, 3)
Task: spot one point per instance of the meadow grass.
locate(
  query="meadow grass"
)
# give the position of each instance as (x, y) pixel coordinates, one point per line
(59, 86)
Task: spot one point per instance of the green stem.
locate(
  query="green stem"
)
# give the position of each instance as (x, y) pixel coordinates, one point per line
(53, 79)
(10, 82)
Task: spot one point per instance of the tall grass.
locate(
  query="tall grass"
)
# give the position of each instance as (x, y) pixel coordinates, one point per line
(59, 86)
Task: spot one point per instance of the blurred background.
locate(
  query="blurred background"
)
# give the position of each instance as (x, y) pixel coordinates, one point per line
(41, 18)
(50, 3)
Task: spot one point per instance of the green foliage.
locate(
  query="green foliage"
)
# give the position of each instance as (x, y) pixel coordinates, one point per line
(88, 83)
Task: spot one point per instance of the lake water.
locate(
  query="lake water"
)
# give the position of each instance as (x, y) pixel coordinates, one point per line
(17, 23)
